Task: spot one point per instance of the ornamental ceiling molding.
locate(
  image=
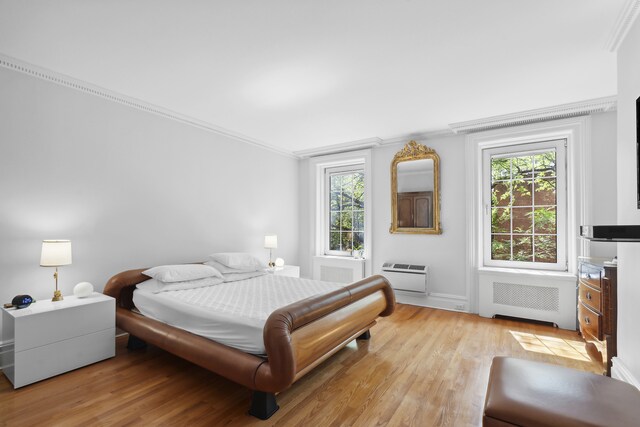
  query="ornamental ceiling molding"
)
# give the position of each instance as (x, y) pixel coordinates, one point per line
(360, 144)
(625, 20)
(374, 142)
(91, 89)
(557, 112)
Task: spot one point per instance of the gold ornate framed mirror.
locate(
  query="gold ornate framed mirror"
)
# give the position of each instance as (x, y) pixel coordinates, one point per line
(415, 190)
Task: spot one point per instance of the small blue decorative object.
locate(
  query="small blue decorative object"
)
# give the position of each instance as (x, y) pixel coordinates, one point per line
(22, 301)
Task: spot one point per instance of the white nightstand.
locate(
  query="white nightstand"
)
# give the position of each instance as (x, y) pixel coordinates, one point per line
(49, 338)
(287, 270)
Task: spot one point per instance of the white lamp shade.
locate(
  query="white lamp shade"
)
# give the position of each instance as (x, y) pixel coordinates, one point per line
(55, 253)
(271, 242)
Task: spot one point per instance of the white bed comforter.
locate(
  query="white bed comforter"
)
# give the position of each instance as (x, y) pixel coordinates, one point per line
(231, 313)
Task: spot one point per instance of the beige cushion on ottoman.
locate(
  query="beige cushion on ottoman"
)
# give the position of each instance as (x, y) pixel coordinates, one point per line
(525, 393)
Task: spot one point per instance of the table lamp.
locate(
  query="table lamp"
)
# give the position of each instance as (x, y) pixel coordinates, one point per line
(271, 242)
(54, 254)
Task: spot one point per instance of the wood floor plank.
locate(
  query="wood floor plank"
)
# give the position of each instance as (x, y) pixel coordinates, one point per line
(421, 367)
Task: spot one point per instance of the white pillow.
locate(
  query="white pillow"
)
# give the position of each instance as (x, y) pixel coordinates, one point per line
(182, 272)
(233, 277)
(225, 270)
(155, 286)
(238, 260)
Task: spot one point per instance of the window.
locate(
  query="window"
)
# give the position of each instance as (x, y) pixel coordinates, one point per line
(524, 191)
(345, 209)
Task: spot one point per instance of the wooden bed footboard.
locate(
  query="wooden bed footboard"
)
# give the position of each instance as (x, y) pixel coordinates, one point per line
(297, 337)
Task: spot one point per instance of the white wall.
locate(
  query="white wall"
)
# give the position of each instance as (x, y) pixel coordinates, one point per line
(130, 189)
(603, 194)
(628, 253)
(444, 253)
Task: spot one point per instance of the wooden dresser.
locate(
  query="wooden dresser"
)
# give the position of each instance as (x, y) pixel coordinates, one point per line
(598, 308)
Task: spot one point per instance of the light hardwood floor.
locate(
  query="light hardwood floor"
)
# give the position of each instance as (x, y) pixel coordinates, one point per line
(422, 367)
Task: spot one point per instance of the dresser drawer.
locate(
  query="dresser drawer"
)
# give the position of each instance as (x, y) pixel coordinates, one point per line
(590, 323)
(591, 275)
(590, 297)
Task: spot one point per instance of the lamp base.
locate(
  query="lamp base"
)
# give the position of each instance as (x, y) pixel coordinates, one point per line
(57, 296)
(271, 264)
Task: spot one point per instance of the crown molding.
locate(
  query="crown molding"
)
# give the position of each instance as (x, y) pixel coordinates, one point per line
(371, 143)
(20, 66)
(339, 148)
(574, 109)
(422, 136)
(626, 18)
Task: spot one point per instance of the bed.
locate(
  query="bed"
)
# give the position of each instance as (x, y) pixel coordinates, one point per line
(296, 337)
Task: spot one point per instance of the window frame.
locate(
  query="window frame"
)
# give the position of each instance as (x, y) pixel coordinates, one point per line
(524, 148)
(332, 170)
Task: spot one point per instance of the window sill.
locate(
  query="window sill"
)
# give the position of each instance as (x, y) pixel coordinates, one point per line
(342, 257)
(527, 272)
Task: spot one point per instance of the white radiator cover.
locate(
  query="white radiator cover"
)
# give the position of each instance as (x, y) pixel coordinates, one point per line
(536, 295)
(338, 269)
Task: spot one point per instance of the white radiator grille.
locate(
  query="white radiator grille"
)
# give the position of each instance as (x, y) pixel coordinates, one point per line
(535, 297)
(338, 269)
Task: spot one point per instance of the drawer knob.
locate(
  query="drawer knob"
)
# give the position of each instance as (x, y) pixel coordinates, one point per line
(587, 321)
(589, 296)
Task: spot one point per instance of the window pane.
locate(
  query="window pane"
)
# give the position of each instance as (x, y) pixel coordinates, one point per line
(358, 220)
(347, 241)
(358, 241)
(346, 223)
(335, 183)
(501, 193)
(546, 249)
(334, 241)
(545, 220)
(500, 247)
(522, 192)
(335, 221)
(522, 220)
(500, 220)
(500, 169)
(347, 183)
(545, 191)
(347, 198)
(335, 202)
(545, 164)
(522, 167)
(358, 191)
(523, 248)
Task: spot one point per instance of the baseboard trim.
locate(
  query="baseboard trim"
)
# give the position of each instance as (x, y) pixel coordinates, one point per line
(434, 300)
(620, 371)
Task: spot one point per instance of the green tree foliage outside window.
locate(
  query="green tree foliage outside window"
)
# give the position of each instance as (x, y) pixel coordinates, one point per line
(524, 208)
(346, 206)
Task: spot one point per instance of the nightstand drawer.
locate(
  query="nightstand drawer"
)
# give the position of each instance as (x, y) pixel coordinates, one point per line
(590, 322)
(43, 362)
(66, 320)
(590, 297)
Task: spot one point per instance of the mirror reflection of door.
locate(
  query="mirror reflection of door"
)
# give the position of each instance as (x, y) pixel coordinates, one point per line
(415, 193)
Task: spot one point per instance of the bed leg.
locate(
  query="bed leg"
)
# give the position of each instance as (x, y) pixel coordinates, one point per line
(263, 405)
(364, 336)
(135, 343)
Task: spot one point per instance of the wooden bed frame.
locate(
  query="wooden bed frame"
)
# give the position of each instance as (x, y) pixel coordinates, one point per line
(297, 337)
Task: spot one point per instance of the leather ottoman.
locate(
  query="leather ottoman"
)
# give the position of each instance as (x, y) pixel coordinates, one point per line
(525, 393)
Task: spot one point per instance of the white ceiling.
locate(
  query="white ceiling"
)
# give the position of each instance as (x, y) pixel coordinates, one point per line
(301, 74)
